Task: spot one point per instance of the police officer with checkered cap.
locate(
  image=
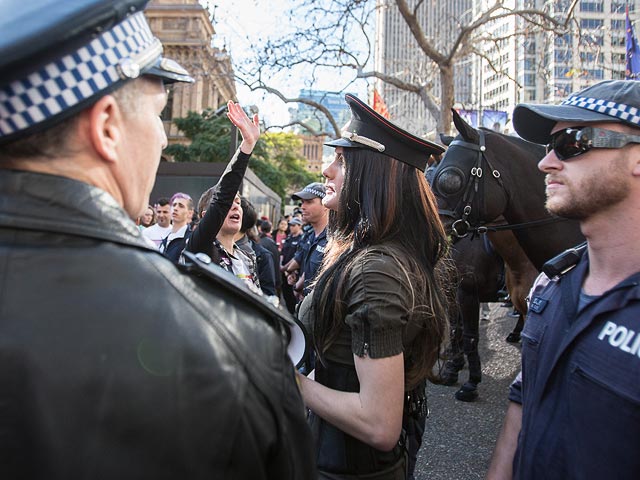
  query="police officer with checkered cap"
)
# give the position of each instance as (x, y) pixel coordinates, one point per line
(573, 409)
(115, 364)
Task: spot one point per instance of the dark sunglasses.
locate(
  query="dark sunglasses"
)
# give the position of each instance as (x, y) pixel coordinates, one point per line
(571, 142)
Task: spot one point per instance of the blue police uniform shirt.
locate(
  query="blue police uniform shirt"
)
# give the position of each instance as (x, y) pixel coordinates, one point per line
(290, 247)
(309, 255)
(580, 382)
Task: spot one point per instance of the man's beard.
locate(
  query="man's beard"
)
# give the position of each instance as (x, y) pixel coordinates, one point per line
(603, 188)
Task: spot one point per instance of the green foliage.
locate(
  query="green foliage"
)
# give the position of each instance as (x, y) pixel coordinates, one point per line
(210, 138)
(277, 157)
(281, 166)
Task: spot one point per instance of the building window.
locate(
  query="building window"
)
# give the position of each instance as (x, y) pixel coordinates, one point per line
(562, 56)
(563, 89)
(589, 57)
(591, 7)
(595, 73)
(563, 41)
(618, 25)
(618, 40)
(561, 72)
(590, 39)
(618, 7)
(618, 59)
(591, 23)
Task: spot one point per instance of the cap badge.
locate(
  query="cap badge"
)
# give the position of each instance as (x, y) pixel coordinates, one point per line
(127, 68)
(353, 137)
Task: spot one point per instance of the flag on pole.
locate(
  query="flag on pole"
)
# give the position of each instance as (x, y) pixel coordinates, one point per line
(381, 107)
(633, 55)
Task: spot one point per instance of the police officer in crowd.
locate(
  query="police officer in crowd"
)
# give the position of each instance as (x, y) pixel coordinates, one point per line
(311, 249)
(574, 410)
(114, 363)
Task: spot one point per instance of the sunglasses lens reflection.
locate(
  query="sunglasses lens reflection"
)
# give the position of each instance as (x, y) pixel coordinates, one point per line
(566, 145)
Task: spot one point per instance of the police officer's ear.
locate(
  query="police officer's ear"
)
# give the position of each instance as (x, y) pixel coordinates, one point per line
(636, 159)
(105, 128)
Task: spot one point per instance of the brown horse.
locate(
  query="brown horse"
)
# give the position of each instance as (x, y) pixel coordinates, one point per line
(484, 179)
(485, 175)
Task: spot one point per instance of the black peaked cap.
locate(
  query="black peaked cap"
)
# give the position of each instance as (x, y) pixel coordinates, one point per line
(368, 129)
(58, 57)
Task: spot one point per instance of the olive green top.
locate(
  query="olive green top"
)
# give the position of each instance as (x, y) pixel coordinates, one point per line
(379, 304)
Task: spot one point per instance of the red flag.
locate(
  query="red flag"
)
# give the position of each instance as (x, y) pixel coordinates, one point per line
(379, 105)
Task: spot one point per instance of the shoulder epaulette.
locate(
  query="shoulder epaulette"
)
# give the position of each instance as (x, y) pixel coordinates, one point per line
(201, 264)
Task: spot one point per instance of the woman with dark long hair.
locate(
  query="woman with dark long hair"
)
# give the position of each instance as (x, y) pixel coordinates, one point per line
(378, 310)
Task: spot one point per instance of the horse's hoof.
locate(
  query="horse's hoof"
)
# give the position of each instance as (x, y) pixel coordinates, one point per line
(513, 337)
(447, 379)
(467, 393)
(449, 373)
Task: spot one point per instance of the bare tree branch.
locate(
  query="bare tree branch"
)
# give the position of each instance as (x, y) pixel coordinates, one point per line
(338, 37)
(306, 126)
(305, 101)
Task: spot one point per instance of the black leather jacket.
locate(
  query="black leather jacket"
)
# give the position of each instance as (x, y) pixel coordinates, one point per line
(115, 364)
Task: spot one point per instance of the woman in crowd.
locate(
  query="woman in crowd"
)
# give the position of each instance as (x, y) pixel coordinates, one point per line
(378, 308)
(280, 234)
(148, 218)
(216, 202)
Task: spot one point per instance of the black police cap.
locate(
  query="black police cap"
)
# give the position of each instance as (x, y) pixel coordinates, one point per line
(368, 129)
(58, 57)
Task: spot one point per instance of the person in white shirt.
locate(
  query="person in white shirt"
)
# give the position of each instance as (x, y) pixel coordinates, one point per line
(181, 215)
(155, 233)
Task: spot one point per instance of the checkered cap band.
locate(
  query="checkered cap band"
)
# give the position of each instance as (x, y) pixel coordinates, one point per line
(66, 82)
(624, 112)
(314, 191)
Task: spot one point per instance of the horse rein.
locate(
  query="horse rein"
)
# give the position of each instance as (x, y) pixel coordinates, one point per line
(462, 227)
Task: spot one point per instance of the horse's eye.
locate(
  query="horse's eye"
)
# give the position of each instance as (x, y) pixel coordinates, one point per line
(450, 182)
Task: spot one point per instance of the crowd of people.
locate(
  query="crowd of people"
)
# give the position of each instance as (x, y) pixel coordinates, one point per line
(275, 262)
(151, 341)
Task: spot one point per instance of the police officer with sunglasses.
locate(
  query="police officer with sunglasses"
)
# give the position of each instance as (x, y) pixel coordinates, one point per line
(575, 406)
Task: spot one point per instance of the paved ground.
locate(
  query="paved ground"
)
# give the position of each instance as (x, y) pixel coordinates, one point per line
(460, 436)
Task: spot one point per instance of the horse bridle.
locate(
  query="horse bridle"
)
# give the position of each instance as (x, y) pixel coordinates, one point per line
(464, 212)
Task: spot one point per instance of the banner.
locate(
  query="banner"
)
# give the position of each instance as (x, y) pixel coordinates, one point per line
(469, 116)
(379, 105)
(632, 71)
(494, 120)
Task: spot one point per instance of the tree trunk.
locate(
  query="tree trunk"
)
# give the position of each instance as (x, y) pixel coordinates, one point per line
(446, 98)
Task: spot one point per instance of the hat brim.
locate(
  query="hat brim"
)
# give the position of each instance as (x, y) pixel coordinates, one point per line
(344, 143)
(534, 122)
(303, 196)
(169, 71)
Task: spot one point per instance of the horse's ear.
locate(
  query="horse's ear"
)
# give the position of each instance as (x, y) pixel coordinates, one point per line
(469, 133)
(446, 139)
